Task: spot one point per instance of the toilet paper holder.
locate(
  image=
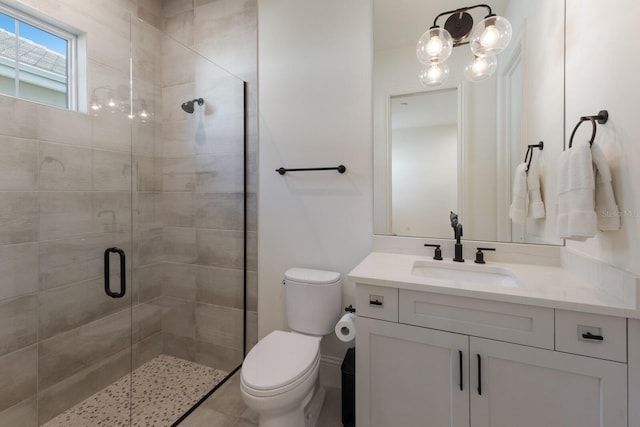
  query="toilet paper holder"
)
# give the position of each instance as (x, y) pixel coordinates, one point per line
(345, 329)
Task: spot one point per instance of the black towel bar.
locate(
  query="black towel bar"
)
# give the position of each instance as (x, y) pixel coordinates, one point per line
(602, 117)
(340, 169)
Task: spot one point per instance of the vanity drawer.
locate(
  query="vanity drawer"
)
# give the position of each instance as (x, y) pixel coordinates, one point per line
(573, 329)
(377, 302)
(516, 323)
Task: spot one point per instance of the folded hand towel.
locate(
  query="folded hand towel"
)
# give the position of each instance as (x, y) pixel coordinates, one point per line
(576, 184)
(606, 207)
(536, 206)
(518, 209)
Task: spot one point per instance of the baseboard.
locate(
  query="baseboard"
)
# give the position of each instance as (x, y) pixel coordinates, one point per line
(330, 374)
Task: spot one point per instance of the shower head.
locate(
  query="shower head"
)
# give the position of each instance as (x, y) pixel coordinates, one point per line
(188, 106)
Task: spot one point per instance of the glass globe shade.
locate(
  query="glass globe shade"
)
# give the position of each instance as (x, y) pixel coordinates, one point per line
(434, 75)
(434, 46)
(491, 36)
(481, 68)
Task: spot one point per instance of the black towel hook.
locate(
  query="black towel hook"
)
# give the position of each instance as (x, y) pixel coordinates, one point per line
(529, 154)
(602, 117)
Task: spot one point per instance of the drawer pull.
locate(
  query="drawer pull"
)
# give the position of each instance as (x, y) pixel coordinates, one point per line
(590, 336)
(479, 375)
(375, 302)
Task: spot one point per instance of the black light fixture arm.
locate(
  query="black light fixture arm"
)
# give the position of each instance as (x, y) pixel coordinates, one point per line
(461, 10)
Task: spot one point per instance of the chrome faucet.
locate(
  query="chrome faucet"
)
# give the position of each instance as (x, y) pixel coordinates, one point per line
(457, 233)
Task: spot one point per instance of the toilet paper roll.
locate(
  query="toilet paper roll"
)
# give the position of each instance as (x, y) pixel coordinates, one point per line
(346, 327)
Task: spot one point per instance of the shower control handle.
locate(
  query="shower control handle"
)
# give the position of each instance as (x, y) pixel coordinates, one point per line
(107, 273)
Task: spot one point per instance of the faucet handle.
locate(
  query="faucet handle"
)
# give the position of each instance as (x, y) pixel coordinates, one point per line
(480, 255)
(437, 254)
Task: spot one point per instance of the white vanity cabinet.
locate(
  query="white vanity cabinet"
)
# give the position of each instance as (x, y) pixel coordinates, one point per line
(438, 360)
(531, 387)
(410, 376)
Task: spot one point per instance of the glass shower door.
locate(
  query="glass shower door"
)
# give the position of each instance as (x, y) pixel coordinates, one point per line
(189, 226)
(85, 254)
(66, 230)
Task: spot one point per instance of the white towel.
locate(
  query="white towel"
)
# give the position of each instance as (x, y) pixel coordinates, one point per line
(606, 207)
(518, 209)
(576, 184)
(536, 205)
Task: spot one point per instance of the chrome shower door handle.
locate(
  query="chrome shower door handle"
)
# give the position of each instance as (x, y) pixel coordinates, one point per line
(123, 273)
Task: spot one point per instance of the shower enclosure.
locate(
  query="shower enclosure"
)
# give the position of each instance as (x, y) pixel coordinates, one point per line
(123, 239)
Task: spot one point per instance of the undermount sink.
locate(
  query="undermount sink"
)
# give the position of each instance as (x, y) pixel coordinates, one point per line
(466, 274)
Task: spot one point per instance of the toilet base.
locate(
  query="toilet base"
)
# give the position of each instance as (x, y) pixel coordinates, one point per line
(314, 407)
(306, 415)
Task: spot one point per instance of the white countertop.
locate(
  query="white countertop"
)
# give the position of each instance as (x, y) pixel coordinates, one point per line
(544, 286)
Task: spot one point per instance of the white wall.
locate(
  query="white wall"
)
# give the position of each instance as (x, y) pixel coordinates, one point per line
(602, 73)
(315, 110)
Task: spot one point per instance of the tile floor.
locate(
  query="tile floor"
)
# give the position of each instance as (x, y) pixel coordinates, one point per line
(163, 389)
(225, 408)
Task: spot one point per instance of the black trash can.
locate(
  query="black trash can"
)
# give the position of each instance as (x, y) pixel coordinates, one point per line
(349, 388)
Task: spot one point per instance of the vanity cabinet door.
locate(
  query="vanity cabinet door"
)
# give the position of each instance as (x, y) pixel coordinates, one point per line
(530, 387)
(410, 376)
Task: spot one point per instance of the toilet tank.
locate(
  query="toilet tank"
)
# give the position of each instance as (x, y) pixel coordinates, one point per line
(313, 300)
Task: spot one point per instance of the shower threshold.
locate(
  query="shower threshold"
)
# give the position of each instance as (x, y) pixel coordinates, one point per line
(163, 389)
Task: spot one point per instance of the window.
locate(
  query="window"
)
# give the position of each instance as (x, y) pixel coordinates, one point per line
(36, 59)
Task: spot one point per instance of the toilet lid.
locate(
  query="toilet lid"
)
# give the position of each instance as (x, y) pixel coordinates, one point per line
(308, 275)
(279, 359)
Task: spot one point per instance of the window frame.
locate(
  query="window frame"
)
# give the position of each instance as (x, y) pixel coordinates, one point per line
(49, 25)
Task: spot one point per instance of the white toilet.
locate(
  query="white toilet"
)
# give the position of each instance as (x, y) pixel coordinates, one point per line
(279, 378)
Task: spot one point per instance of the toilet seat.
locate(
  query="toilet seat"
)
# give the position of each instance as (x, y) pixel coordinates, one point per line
(280, 362)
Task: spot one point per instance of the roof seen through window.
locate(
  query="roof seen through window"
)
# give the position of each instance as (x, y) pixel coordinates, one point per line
(34, 34)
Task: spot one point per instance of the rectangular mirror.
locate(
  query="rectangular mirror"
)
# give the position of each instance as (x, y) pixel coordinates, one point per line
(456, 146)
(424, 126)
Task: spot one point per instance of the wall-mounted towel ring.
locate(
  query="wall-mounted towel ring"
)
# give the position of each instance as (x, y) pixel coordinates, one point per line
(529, 154)
(602, 117)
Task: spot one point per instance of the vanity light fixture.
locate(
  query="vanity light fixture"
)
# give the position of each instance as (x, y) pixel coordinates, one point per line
(489, 37)
(108, 99)
(139, 110)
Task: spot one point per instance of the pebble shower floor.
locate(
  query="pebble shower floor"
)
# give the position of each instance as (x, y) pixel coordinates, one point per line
(163, 389)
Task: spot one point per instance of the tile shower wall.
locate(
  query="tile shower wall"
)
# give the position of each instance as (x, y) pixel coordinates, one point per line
(202, 180)
(65, 195)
